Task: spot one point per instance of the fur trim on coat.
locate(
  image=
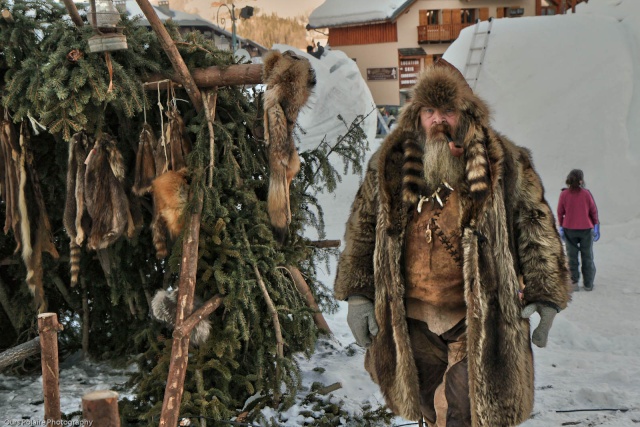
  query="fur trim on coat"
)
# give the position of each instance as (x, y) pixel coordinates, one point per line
(508, 232)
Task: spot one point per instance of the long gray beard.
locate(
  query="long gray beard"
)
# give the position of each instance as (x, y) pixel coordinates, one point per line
(439, 165)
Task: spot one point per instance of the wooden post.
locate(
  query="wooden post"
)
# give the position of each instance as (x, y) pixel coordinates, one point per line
(172, 52)
(324, 244)
(100, 408)
(48, 328)
(19, 352)
(73, 13)
(186, 288)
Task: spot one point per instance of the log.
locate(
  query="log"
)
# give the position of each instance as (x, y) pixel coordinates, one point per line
(304, 289)
(19, 352)
(73, 13)
(171, 50)
(323, 244)
(48, 328)
(328, 389)
(210, 77)
(207, 308)
(100, 408)
(180, 347)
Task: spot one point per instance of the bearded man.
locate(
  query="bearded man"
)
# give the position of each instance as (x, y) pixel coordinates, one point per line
(450, 247)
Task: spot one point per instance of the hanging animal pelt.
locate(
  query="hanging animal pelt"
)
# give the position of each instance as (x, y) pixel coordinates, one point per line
(76, 220)
(289, 79)
(170, 191)
(177, 139)
(26, 214)
(9, 186)
(145, 170)
(105, 197)
(163, 308)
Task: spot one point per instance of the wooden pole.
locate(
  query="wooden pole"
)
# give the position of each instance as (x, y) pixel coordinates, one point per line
(323, 244)
(186, 288)
(19, 352)
(172, 52)
(210, 77)
(304, 289)
(48, 327)
(207, 308)
(73, 13)
(100, 408)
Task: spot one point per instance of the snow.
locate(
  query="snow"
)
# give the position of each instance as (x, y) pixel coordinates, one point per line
(338, 12)
(562, 86)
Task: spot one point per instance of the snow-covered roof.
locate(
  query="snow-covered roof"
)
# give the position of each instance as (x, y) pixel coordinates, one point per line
(334, 13)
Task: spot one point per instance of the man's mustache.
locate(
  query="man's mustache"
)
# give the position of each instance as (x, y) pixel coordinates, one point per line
(446, 130)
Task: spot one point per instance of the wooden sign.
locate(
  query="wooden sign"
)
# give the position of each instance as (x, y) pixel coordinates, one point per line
(390, 73)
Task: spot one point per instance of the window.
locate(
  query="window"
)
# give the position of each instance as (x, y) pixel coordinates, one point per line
(468, 16)
(432, 17)
(547, 11)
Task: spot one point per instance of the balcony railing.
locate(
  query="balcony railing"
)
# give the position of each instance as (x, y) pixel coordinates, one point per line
(442, 33)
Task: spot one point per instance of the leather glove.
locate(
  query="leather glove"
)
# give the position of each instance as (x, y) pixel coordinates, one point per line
(561, 233)
(362, 320)
(547, 314)
(596, 232)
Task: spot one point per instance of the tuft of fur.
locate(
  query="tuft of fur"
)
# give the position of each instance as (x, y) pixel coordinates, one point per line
(289, 79)
(163, 308)
(170, 191)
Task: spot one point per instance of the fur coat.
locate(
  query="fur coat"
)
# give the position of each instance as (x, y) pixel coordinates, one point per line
(508, 236)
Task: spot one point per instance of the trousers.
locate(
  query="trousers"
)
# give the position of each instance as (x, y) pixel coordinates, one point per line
(443, 375)
(580, 242)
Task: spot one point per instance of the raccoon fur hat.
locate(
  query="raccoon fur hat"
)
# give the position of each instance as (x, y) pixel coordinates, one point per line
(442, 86)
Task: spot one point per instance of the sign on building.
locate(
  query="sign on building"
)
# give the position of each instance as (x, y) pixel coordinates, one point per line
(389, 73)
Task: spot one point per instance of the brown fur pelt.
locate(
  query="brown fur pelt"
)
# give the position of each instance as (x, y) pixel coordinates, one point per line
(105, 197)
(170, 192)
(289, 79)
(145, 170)
(10, 151)
(177, 138)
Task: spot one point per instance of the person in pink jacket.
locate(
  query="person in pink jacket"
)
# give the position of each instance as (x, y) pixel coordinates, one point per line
(579, 227)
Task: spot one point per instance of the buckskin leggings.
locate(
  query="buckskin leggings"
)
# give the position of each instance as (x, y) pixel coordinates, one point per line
(442, 373)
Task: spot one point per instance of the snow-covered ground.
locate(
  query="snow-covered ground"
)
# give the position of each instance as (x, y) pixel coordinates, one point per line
(565, 87)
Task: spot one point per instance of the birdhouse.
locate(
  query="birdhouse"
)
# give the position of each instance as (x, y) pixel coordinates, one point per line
(104, 19)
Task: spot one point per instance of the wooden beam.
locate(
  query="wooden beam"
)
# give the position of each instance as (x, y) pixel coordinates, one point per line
(19, 352)
(48, 328)
(172, 52)
(73, 13)
(239, 74)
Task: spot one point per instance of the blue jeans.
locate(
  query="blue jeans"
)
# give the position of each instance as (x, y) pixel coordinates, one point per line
(580, 242)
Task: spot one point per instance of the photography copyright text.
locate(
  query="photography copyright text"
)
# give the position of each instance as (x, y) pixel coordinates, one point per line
(47, 423)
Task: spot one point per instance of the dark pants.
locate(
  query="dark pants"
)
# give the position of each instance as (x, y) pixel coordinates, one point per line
(580, 242)
(442, 373)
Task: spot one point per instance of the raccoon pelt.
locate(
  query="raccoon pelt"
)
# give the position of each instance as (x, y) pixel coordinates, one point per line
(289, 79)
(145, 170)
(105, 197)
(170, 191)
(163, 308)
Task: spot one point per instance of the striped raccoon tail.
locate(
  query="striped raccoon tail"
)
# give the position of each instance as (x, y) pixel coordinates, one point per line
(74, 261)
(163, 308)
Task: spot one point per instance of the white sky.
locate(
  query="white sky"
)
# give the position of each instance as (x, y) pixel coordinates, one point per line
(564, 87)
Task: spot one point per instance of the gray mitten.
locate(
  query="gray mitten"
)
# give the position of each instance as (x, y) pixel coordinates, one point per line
(362, 320)
(547, 314)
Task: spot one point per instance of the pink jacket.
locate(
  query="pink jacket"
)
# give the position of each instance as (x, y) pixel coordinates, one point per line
(577, 210)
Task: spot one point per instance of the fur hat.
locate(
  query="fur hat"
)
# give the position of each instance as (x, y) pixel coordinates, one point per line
(442, 86)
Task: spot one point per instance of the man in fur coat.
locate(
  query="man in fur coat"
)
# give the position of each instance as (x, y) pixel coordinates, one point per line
(450, 247)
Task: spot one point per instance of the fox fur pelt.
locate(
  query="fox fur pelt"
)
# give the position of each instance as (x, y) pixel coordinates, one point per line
(289, 79)
(170, 192)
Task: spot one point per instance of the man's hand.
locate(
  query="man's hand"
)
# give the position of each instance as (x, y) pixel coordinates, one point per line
(596, 232)
(362, 320)
(561, 230)
(547, 314)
